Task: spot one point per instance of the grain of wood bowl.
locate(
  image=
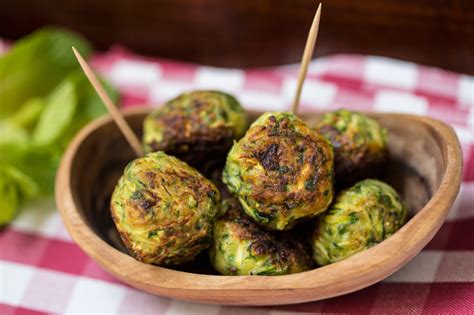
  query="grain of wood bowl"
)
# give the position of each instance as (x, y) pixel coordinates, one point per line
(425, 167)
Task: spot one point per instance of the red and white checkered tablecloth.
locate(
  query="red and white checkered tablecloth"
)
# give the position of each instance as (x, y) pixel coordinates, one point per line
(42, 270)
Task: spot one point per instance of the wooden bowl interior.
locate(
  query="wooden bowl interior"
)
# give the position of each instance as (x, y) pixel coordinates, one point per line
(415, 170)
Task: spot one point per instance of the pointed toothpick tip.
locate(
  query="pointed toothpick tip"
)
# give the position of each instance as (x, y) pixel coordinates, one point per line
(305, 60)
(76, 53)
(113, 110)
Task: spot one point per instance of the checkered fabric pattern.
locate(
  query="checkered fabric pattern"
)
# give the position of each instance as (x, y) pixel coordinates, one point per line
(43, 271)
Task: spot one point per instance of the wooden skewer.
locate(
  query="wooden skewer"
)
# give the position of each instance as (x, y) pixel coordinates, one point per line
(307, 54)
(116, 115)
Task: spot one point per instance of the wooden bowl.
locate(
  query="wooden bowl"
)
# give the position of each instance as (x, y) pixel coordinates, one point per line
(425, 167)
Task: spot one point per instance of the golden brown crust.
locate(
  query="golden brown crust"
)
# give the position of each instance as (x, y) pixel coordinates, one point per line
(281, 170)
(264, 252)
(195, 126)
(360, 217)
(353, 162)
(359, 144)
(164, 209)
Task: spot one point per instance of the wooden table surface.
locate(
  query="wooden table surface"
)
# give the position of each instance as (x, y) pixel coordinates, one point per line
(243, 33)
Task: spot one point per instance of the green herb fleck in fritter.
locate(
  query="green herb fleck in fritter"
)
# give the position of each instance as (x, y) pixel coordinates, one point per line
(281, 171)
(359, 142)
(242, 247)
(195, 126)
(164, 209)
(360, 217)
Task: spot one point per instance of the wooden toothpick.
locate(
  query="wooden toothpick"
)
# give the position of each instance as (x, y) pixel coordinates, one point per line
(307, 54)
(116, 115)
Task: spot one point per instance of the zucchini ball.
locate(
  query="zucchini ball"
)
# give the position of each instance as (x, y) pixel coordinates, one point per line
(360, 217)
(195, 126)
(164, 209)
(242, 247)
(359, 142)
(281, 171)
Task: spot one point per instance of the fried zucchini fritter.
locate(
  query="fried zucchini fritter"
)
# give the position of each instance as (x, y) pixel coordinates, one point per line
(195, 126)
(164, 209)
(359, 142)
(281, 171)
(242, 247)
(360, 217)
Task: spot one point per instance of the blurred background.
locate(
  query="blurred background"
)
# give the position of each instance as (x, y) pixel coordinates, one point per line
(244, 33)
(142, 50)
